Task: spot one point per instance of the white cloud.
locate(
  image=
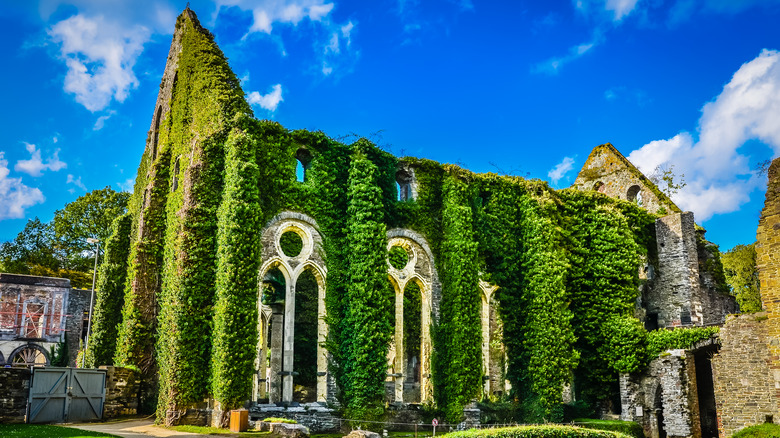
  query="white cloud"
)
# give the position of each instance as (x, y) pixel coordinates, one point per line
(553, 65)
(561, 169)
(76, 182)
(718, 175)
(101, 121)
(127, 185)
(615, 9)
(267, 12)
(15, 197)
(268, 101)
(100, 54)
(332, 41)
(35, 165)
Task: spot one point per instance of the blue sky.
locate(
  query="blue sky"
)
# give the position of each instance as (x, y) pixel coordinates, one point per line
(521, 87)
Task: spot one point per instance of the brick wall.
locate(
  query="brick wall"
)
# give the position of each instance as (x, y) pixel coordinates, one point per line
(14, 389)
(741, 373)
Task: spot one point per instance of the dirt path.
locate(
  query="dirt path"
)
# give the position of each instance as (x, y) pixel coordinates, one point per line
(142, 428)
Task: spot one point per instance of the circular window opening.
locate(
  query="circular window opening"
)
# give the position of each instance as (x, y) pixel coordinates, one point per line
(633, 194)
(291, 243)
(398, 257)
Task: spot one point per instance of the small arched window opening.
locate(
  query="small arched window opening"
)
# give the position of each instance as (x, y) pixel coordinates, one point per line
(634, 194)
(156, 133)
(404, 179)
(303, 156)
(600, 187)
(175, 181)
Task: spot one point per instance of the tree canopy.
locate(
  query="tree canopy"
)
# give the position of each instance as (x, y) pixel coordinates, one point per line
(739, 265)
(59, 248)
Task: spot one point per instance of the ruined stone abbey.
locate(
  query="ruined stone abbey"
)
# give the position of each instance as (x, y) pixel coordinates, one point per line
(272, 268)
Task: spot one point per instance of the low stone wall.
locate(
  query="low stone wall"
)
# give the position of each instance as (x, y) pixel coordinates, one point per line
(121, 392)
(316, 417)
(744, 386)
(14, 390)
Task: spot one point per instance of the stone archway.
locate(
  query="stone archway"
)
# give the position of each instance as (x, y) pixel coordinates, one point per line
(291, 256)
(417, 272)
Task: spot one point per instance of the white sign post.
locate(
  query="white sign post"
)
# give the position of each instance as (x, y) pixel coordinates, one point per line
(435, 423)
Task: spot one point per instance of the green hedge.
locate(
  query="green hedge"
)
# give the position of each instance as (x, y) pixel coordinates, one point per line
(629, 428)
(662, 340)
(537, 432)
(768, 430)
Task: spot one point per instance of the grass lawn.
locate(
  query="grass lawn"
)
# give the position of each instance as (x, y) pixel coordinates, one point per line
(46, 431)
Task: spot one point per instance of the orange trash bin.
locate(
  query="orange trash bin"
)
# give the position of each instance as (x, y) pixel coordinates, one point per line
(239, 420)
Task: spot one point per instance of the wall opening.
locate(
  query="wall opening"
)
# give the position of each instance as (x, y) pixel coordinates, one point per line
(303, 157)
(634, 194)
(175, 180)
(706, 392)
(651, 322)
(600, 187)
(305, 338)
(403, 180)
(412, 339)
(156, 133)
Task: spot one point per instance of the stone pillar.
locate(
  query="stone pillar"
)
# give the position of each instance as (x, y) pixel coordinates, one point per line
(322, 352)
(677, 293)
(262, 367)
(289, 343)
(400, 348)
(426, 385)
(277, 330)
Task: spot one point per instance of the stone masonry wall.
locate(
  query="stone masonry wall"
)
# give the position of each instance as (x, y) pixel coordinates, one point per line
(676, 296)
(121, 392)
(608, 171)
(667, 393)
(768, 264)
(741, 373)
(78, 303)
(14, 390)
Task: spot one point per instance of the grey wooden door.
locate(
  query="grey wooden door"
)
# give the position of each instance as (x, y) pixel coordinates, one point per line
(66, 395)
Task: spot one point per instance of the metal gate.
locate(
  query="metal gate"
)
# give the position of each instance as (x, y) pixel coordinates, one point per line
(59, 395)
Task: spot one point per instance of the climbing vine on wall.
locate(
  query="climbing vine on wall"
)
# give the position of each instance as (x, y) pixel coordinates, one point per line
(605, 251)
(460, 324)
(110, 288)
(369, 301)
(238, 257)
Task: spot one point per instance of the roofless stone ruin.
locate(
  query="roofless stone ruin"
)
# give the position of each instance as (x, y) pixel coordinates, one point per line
(382, 281)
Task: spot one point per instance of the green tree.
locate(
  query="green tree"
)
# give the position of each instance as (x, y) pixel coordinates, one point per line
(739, 265)
(89, 216)
(33, 246)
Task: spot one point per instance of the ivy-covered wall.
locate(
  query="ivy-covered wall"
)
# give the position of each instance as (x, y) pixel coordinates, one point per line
(566, 263)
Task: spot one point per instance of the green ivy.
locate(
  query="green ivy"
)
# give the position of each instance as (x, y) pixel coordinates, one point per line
(398, 257)
(679, 338)
(238, 258)
(460, 324)
(291, 243)
(109, 291)
(369, 312)
(206, 97)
